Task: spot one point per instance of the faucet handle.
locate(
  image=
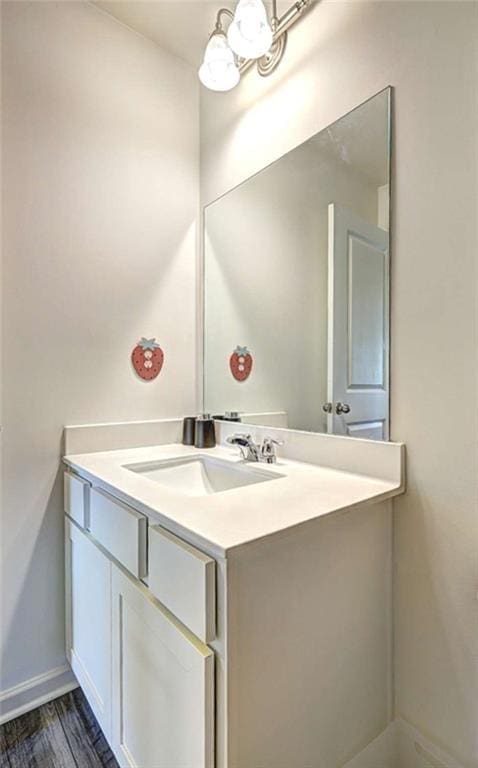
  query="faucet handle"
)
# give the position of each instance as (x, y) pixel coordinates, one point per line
(239, 438)
(268, 451)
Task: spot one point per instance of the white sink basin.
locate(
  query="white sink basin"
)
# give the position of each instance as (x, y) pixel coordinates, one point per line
(201, 475)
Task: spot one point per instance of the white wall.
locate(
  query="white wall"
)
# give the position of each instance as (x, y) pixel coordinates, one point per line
(338, 56)
(100, 163)
(266, 283)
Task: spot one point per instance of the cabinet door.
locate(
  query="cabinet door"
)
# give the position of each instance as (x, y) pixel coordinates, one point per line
(88, 615)
(163, 685)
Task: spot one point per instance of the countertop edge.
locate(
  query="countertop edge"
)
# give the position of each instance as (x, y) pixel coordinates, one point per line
(208, 545)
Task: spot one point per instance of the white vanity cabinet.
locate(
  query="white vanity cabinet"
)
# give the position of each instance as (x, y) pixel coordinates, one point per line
(275, 654)
(147, 677)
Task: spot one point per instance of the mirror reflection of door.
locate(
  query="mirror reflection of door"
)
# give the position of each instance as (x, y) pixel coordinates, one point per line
(357, 382)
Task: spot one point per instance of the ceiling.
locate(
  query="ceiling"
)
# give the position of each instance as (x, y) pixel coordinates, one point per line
(181, 27)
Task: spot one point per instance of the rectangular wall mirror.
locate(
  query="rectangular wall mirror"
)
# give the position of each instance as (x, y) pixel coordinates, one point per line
(297, 284)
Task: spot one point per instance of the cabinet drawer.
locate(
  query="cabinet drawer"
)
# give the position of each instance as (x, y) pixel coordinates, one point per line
(119, 529)
(184, 580)
(76, 498)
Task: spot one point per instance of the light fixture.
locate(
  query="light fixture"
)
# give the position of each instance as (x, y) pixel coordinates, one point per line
(251, 39)
(219, 70)
(250, 34)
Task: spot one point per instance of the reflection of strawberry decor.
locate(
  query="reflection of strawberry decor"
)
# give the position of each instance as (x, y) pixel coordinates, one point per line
(240, 363)
(147, 358)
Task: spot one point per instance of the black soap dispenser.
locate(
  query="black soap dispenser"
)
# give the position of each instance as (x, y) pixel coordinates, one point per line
(189, 430)
(205, 432)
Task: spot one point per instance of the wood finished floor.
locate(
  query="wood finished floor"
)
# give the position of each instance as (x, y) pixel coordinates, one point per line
(61, 734)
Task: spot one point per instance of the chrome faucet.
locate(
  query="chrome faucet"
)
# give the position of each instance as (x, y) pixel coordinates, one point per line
(251, 451)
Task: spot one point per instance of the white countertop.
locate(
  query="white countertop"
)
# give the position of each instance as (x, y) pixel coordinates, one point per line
(234, 517)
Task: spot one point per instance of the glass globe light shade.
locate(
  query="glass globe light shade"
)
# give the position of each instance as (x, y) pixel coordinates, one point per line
(250, 34)
(219, 70)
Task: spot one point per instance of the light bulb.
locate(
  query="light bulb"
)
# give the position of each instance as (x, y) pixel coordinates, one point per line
(219, 71)
(250, 34)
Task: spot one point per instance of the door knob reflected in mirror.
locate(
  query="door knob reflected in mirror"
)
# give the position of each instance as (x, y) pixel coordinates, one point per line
(327, 407)
(342, 408)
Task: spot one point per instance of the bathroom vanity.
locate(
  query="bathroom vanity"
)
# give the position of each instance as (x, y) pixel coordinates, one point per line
(235, 614)
(230, 614)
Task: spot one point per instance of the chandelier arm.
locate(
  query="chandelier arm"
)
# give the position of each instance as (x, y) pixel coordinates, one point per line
(274, 17)
(222, 11)
(291, 15)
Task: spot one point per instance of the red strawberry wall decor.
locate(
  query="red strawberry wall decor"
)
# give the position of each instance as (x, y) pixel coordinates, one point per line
(147, 358)
(240, 363)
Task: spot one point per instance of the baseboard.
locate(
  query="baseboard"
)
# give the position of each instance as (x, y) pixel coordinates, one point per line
(401, 745)
(35, 692)
(418, 751)
(382, 752)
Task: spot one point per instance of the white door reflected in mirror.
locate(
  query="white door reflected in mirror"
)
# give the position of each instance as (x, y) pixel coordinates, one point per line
(358, 326)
